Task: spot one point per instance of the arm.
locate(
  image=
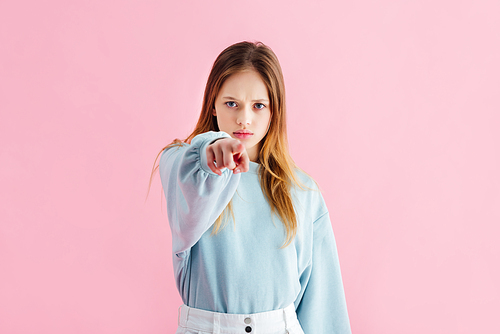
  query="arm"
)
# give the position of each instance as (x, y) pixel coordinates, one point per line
(322, 308)
(195, 194)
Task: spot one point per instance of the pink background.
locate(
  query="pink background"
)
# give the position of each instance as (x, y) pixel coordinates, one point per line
(393, 108)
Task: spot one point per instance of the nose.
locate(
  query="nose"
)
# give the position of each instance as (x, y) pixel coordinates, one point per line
(244, 116)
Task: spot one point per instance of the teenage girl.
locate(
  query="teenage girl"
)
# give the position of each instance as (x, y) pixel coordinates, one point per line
(252, 243)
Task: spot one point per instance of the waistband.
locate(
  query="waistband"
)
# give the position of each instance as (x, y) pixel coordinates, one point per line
(215, 322)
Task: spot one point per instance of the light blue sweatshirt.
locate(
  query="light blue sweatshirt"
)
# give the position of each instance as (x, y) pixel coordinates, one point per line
(242, 268)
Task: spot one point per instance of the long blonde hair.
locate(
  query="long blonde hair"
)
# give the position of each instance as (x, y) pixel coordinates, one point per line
(277, 171)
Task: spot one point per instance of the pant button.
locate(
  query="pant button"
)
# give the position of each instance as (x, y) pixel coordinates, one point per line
(247, 320)
(248, 329)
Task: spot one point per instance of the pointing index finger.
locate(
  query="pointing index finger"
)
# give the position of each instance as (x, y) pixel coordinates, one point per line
(237, 147)
(243, 162)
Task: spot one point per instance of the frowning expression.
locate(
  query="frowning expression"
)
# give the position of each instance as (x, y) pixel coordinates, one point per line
(242, 110)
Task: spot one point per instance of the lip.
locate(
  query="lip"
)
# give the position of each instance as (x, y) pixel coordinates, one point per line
(243, 134)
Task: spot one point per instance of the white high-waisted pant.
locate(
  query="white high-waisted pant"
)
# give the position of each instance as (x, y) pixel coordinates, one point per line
(196, 321)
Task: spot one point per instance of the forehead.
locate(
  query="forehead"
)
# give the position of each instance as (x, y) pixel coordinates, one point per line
(247, 84)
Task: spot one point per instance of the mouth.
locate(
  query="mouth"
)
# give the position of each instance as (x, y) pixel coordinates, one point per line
(243, 134)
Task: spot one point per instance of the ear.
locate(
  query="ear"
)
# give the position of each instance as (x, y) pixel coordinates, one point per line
(214, 112)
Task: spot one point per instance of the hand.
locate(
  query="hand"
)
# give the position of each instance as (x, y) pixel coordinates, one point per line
(228, 153)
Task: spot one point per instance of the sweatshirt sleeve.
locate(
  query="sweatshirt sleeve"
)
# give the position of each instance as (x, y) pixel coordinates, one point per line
(322, 308)
(195, 195)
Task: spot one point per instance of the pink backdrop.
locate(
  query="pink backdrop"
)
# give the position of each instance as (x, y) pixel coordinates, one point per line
(393, 108)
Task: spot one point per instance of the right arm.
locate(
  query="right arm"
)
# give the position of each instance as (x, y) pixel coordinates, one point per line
(196, 190)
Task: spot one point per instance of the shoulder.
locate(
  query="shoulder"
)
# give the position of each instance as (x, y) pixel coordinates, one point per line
(305, 180)
(308, 193)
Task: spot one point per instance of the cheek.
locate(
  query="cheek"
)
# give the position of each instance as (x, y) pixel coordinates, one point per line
(223, 119)
(268, 121)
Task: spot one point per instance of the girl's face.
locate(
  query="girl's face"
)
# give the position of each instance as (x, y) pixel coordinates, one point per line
(242, 110)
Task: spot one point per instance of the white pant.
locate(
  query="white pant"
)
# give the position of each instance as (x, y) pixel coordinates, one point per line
(196, 321)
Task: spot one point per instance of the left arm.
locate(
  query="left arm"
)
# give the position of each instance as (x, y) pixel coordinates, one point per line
(322, 307)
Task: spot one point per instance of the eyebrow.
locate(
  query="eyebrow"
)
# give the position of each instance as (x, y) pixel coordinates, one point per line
(232, 98)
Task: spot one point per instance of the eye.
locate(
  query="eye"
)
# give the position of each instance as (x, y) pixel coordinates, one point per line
(228, 103)
(260, 105)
